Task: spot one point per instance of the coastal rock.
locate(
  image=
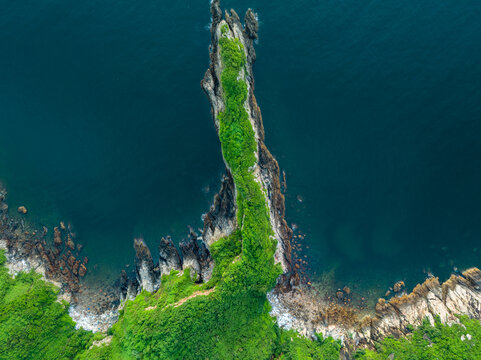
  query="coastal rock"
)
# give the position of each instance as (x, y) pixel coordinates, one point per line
(221, 219)
(251, 25)
(3, 207)
(22, 210)
(75, 268)
(57, 238)
(147, 276)
(129, 287)
(82, 270)
(70, 244)
(71, 261)
(398, 287)
(189, 249)
(169, 258)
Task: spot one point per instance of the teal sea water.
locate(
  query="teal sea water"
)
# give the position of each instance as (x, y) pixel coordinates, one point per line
(373, 109)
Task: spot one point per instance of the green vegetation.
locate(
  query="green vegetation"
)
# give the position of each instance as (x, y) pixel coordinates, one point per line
(296, 347)
(441, 342)
(33, 325)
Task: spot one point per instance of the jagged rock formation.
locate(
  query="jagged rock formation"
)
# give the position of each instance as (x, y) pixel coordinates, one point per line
(195, 256)
(188, 247)
(129, 286)
(169, 258)
(148, 275)
(267, 168)
(221, 221)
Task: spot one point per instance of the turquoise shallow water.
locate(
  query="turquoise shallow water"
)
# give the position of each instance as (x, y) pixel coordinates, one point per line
(372, 108)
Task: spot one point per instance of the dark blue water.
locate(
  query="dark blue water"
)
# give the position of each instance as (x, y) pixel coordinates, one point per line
(373, 109)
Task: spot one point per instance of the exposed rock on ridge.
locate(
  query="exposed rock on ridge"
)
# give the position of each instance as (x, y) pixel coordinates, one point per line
(169, 258)
(221, 221)
(195, 256)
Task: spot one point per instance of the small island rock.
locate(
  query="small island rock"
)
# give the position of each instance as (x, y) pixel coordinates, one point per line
(22, 210)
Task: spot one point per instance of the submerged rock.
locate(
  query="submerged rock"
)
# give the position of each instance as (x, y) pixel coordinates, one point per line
(57, 238)
(398, 287)
(82, 270)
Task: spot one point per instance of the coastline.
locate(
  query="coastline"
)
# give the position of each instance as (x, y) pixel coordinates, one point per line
(292, 302)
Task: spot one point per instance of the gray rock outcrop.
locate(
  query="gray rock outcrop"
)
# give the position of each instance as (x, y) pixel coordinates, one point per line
(147, 274)
(169, 258)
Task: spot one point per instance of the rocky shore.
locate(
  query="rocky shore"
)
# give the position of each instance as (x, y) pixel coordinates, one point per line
(58, 258)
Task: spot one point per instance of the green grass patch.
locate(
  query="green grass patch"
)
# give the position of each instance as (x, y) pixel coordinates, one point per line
(33, 325)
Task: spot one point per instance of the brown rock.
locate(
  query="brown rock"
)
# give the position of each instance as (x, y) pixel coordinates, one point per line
(56, 251)
(398, 286)
(381, 303)
(70, 243)
(57, 239)
(82, 270)
(22, 210)
(76, 267)
(71, 261)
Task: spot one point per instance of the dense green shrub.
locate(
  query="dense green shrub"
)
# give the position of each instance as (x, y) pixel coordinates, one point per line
(33, 325)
